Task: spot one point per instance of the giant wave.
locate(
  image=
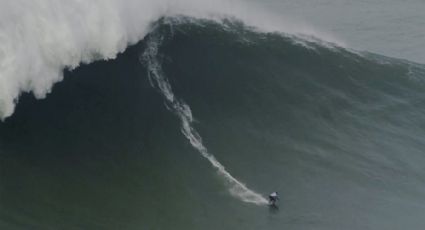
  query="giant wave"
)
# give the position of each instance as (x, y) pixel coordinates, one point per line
(337, 132)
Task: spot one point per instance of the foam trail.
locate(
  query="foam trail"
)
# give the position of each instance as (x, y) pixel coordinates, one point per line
(182, 110)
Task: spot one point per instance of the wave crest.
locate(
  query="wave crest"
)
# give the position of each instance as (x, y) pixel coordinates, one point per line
(38, 39)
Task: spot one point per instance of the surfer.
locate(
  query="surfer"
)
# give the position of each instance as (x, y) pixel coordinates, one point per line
(273, 198)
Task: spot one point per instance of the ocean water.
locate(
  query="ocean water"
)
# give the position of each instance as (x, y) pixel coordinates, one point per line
(388, 27)
(187, 114)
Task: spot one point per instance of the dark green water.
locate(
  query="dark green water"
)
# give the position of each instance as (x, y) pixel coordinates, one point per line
(338, 134)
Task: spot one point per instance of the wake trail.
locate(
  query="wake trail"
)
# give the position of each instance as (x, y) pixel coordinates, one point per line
(159, 81)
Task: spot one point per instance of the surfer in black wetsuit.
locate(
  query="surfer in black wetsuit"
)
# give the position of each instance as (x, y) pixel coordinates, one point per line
(273, 198)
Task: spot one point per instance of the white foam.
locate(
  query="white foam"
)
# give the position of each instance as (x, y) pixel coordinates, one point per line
(38, 39)
(182, 110)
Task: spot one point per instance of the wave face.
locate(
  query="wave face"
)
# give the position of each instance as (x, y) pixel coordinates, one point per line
(337, 133)
(183, 111)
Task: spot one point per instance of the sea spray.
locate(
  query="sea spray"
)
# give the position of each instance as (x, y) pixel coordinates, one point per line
(159, 80)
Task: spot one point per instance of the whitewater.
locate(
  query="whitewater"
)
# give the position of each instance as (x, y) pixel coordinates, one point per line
(39, 39)
(182, 110)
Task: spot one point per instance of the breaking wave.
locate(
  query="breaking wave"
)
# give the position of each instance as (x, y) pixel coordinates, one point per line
(338, 133)
(39, 39)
